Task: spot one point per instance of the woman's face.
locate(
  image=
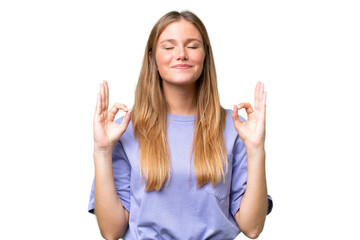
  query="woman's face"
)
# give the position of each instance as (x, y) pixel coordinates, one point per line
(180, 53)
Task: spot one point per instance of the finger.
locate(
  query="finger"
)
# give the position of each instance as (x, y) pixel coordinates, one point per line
(102, 94)
(106, 94)
(261, 91)
(98, 103)
(263, 106)
(125, 122)
(235, 114)
(265, 98)
(257, 95)
(115, 109)
(248, 108)
(236, 118)
(262, 98)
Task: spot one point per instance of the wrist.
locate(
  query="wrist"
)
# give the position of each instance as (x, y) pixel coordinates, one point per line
(102, 151)
(101, 157)
(255, 150)
(256, 146)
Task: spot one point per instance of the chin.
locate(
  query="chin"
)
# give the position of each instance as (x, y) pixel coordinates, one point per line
(182, 81)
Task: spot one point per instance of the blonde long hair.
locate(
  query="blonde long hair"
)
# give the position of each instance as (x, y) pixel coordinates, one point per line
(149, 116)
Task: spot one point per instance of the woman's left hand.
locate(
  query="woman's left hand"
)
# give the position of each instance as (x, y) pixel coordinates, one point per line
(252, 131)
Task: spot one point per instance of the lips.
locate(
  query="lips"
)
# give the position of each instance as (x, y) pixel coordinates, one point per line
(181, 66)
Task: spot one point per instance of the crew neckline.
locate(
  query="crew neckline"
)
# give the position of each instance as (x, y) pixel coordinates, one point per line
(181, 118)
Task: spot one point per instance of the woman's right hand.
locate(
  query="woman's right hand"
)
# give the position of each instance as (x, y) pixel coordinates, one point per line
(106, 131)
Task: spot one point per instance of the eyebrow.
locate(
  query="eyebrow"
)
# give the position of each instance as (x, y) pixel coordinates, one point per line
(187, 41)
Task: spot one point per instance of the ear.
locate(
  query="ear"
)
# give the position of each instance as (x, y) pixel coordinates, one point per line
(149, 55)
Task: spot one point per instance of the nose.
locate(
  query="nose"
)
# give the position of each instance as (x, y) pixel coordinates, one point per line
(182, 54)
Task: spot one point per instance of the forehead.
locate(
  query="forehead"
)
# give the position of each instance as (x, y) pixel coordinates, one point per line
(180, 30)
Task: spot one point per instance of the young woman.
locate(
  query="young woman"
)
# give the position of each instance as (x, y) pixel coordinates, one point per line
(178, 165)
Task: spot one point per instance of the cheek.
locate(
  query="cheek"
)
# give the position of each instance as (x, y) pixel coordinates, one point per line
(199, 58)
(163, 59)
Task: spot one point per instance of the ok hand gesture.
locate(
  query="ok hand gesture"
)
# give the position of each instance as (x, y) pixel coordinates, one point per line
(252, 131)
(106, 131)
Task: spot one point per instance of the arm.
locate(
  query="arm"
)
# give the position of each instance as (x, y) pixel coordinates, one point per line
(253, 210)
(111, 216)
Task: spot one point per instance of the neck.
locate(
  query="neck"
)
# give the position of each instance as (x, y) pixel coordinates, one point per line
(180, 99)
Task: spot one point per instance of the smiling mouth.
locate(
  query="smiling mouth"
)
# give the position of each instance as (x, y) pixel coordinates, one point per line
(181, 66)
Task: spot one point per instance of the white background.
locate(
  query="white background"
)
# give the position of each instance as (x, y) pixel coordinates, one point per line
(54, 54)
